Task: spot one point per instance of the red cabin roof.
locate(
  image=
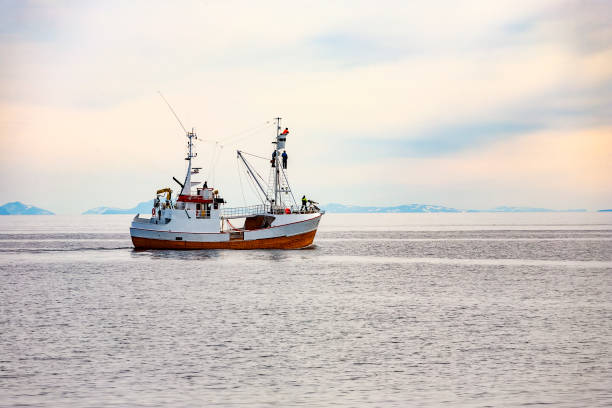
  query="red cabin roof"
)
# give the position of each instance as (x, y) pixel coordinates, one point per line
(193, 199)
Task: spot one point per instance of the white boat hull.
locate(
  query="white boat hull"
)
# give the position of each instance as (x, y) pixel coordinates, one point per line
(291, 231)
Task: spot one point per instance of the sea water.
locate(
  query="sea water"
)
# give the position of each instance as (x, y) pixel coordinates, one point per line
(464, 310)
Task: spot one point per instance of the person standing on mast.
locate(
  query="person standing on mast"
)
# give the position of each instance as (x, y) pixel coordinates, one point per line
(273, 161)
(284, 156)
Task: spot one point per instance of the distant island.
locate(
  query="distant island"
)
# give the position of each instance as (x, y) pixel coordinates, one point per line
(424, 208)
(525, 209)
(142, 208)
(19, 208)
(145, 208)
(609, 210)
(407, 208)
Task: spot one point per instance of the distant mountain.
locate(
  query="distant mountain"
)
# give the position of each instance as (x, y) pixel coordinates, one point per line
(610, 210)
(18, 208)
(142, 208)
(145, 208)
(524, 209)
(408, 208)
(424, 208)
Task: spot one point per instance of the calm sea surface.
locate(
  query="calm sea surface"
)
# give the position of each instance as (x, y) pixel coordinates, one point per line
(467, 310)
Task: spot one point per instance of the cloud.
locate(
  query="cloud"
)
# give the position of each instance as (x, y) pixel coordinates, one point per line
(358, 83)
(436, 141)
(561, 168)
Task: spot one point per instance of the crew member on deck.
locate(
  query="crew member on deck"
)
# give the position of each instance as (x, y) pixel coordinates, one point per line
(284, 156)
(304, 201)
(285, 132)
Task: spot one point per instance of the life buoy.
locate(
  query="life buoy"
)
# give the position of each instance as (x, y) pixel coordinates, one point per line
(153, 212)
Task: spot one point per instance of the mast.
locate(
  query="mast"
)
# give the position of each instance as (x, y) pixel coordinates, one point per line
(278, 182)
(190, 154)
(276, 165)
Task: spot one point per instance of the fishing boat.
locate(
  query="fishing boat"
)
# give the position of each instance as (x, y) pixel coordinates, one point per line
(198, 217)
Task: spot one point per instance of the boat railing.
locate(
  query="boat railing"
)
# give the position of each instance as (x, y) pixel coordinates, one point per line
(141, 220)
(240, 212)
(152, 220)
(298, 210)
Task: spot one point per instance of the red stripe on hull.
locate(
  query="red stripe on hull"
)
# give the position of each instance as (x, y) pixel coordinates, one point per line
(293, 242)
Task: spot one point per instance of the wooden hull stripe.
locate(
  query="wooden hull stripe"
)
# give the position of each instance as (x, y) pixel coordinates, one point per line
(285, 242)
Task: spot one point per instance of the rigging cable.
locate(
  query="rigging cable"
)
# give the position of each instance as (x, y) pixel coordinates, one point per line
(252, 181)
(287, 181)
(240, 180)
(216, 161)
(216, 155)
(172, 110)
(233, 139)
(253, 188)
(258, 193)
(265, 183)
(258, 175)
(211, 162)
(254, 155)
(248, 132)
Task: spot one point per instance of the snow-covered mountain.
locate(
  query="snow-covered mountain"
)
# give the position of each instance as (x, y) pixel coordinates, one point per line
(142, 208)
(525, 209)
(145, 208)
(426, 208)
(19, 208)
(407, 208)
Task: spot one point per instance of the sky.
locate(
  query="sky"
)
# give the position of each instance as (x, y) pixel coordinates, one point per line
(467, 104)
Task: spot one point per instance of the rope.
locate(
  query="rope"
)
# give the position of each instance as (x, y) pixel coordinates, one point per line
(216, 160)
(210, 162)
(237, 136)
(256, 190)
(287, 181)
(257, 173)
(254, 155)
(254, 187)
(240, 179)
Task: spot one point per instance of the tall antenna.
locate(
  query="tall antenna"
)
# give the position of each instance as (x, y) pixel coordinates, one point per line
(278, 126)
(173, 112)
(277, 164)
